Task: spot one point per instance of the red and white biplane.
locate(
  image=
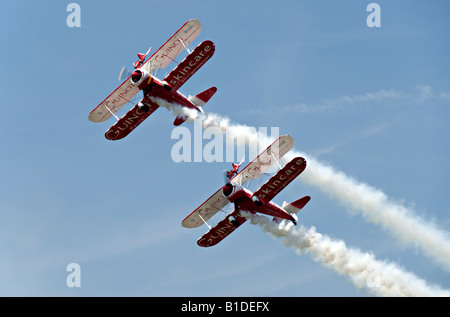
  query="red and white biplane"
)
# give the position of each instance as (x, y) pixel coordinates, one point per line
(157, 91)
(244, 200)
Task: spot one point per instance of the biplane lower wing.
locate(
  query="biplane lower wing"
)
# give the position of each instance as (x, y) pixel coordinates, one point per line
(190, 65)
(134, 117)
(222, 229)
(281, 179)
(265, 160)
(206, 210)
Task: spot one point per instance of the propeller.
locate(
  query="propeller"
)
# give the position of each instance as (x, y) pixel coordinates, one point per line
(124, 73)
(225, 176)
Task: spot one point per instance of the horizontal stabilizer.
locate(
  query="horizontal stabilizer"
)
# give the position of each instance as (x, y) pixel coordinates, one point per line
(297, 205)
(202, 98)
(179, 120)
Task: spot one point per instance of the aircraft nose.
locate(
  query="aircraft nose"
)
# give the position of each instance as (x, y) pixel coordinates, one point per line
(136, 76)
(227, 189)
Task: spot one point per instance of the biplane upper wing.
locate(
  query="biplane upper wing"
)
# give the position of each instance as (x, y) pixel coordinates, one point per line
(174, 46)
(206, 210)
(281, 179)
(160, 59)
(264, 161)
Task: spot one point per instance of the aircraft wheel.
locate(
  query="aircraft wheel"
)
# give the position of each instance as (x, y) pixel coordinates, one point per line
(166, 86)
(233, 221)
(144, 107)
(257, 201)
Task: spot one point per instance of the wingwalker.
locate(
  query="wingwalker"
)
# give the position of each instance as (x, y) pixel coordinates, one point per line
(246, 201)
(158, 92)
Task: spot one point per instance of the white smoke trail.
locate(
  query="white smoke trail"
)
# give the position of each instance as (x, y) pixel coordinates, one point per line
(212, 120)
(373, 204)
(377, 208)
(379, 278)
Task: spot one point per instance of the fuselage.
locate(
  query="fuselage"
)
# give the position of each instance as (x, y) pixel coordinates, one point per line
(243, 199)
(155, 89)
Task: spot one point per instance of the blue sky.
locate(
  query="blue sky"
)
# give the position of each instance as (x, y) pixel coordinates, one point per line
(371, 102)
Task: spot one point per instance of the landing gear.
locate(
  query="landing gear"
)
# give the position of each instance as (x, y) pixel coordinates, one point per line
(166, 86)
(143, 107)
(233, 221)
(257, 201)
(294, 218)
(148, 89)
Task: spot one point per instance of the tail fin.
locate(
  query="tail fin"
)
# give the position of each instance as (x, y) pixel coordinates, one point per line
(202, 98)
(295, 206)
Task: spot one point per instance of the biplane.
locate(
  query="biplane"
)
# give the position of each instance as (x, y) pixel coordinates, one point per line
(158, 92)
(246, 201)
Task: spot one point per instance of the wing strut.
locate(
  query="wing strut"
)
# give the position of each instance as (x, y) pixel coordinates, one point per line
(112, 113)
(204, 221)
(277, 161)
(187, 48)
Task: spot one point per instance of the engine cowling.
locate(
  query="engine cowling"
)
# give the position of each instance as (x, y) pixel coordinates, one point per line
(233, 191)
(140, 78)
